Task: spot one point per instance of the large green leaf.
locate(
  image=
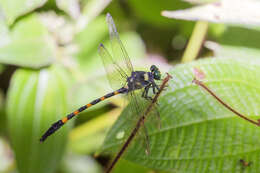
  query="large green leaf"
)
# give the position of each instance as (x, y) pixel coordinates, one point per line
(15, 8)
(29, 44)
(198, 134)
(35, 100)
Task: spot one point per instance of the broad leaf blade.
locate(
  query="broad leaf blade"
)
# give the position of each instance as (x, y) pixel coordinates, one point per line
(29, 45)
(35, 100)
(198, 134)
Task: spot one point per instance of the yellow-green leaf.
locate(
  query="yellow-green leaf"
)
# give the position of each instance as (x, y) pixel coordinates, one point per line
(35, 100)
(197, 133)
(29, 44)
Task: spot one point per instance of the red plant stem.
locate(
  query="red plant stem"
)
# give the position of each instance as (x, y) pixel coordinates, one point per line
(138, 124)
(223, 103)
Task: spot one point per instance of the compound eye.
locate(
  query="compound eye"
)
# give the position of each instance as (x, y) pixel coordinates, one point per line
(153, 67)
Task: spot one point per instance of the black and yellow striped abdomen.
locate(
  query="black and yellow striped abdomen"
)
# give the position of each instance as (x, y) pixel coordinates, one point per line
(55, 126)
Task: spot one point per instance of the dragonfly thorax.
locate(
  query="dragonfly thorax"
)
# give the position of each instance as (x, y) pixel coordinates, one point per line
(138, 80)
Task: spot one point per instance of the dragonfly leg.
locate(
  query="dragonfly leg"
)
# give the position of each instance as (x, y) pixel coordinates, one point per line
(146, 90)
(154, 86)
(154, 89)
(157, 87)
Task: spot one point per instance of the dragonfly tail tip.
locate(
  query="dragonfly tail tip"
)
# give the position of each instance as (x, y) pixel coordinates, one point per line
(108, 15)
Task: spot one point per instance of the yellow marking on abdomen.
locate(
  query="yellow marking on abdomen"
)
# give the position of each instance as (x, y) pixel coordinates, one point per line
(76, 112)
(146, 77)
(64, 120)
(116, 92)
(102, 98)
(88, 105)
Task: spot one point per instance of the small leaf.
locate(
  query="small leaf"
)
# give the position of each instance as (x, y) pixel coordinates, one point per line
(225, 11)
(15, 8)
(35, 100)
(198, 134)
(30, 45)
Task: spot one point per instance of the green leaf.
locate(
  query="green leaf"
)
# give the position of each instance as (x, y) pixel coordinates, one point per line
(35, 100)
(30, 45)
(129, 167)
(15, 8)
(4, 33)
(198, 134)
(90, 37)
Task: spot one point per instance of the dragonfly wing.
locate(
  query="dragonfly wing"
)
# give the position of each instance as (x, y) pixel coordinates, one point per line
(115, 74)
(146, 139)
(138, 106)
(118, 48)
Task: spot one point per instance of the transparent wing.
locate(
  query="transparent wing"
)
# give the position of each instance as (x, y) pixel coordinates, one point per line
(138, 106)
(115, 74)
(127, 122)
(119, 52)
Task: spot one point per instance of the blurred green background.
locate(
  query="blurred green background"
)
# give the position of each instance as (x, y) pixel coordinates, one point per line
(49, 66)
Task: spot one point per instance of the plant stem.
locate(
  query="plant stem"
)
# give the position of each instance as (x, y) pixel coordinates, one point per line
(195, 42)
(201, 84)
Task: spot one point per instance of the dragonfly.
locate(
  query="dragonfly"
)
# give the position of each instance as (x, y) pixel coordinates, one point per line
(121, 76)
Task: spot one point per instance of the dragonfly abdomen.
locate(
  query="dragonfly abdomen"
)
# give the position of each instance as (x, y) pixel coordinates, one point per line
(55, 126)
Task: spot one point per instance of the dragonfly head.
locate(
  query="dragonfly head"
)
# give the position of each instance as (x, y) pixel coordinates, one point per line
(156, 72)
